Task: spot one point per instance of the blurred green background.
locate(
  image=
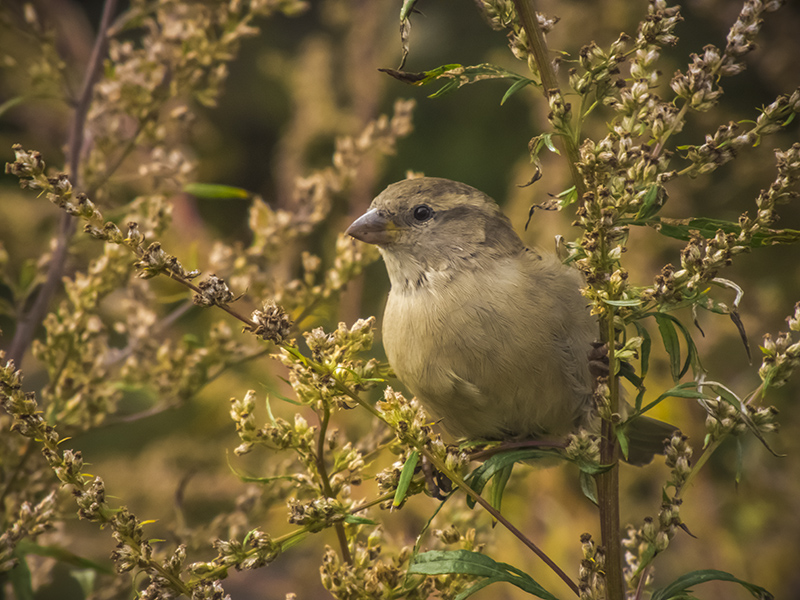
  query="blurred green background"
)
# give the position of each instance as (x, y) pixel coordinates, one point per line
(305, 80)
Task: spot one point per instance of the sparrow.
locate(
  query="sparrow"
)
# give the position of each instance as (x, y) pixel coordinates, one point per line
(492, 336)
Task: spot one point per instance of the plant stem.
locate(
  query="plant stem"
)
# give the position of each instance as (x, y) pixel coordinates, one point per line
(526, 11)
(608, 482)
(434, 460)
(499, 517)
(326, 483)
(30, 320)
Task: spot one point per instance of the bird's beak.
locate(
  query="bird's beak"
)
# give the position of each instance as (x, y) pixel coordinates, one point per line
(373, 228)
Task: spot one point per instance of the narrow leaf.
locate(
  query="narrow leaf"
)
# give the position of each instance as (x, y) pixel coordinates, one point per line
(517, 86)
(623, 442)
(480, 477)
(644, 351)
(356, 520)
(62, 555)
(464, 562)
(652, 202)
(588, 487)
(20, 577)
(455, 76)
(679, 587)
(406, 475)
(671, 344)
(681, 229)
(499, 485)
(214, 191)
(683, 390)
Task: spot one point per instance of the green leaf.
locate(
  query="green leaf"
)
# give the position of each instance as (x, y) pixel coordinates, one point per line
(652, 202)
(679, 587)
(644, 351)
(356, 520)
(627, 302)
(405, 10)
(215, 191)
(670, 338)
(455, 76)
(667, 326)
(11, 103)
(499, 485)
(623, 442)
(517, 86)
(496, 464)
(62, 555)
(687, 389)
(464, 562)
(588, 487)
(406, 475)
(20, 577)
(681, 228)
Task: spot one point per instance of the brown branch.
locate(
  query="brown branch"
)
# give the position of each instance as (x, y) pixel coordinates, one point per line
(30, 320)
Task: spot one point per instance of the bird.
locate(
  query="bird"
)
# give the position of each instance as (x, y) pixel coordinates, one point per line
(492, 336)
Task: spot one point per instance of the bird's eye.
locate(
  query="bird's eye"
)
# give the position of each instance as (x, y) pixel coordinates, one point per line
(422, 213)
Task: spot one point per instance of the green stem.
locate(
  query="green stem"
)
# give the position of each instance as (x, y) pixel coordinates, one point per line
(322, 469)
(699, 465)
(526, 11)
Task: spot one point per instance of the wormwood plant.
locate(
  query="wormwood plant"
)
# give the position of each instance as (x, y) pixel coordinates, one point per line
(158, 59)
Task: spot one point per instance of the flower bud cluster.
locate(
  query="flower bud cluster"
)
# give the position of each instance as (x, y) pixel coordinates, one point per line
(592, 571)
(256, 550)
(277, 434)
(153, 261)
(519, 43)
(213, 292)
(133, 549)
(658, 26)
(500, 14)
(31, 521)
(407, 418)
(335, 364)
(271, 323)
(784, 188)
(723, 418)
(678, 454)
(699, 85)
(598, 67)
(209, 590)
(701, 259)
(583, 448)
(723, 146)
(317, 514)
(780, 358)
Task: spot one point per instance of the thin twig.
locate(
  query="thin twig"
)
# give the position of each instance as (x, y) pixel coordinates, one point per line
(501, 519)
(30, 320)
(526, 11)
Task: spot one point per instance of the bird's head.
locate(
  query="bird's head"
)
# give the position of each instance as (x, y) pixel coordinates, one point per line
(432, 224)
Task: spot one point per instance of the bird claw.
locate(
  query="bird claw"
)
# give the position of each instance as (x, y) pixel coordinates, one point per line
(598, 360)
(435, 480)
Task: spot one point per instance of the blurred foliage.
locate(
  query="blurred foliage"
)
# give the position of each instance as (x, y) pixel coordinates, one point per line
(285, 101)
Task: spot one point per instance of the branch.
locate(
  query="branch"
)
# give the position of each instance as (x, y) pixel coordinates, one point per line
(526, 11)
(30, 320)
